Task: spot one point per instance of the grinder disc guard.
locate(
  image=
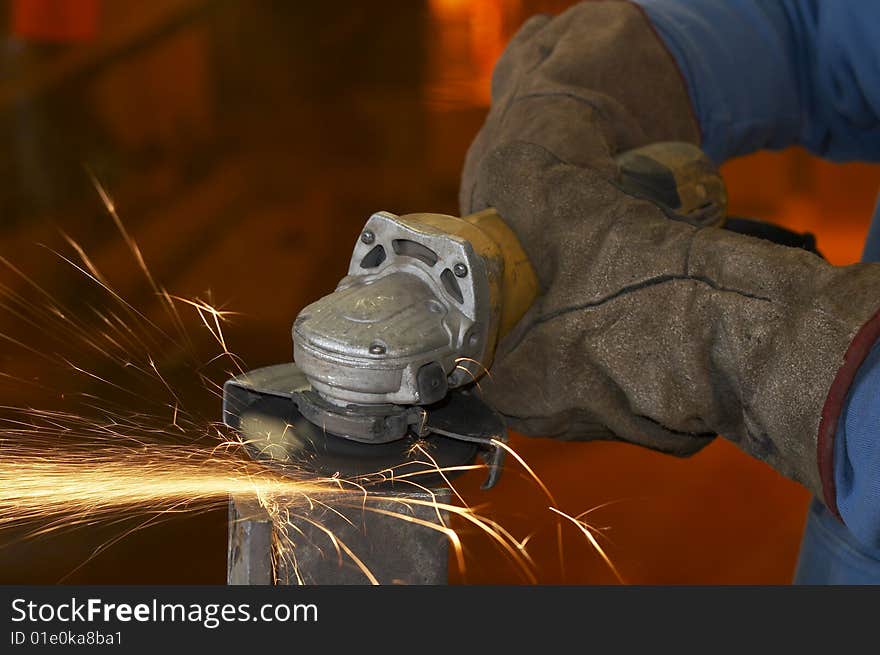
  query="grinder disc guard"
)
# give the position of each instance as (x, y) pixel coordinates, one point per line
(268, 408)
(278, 435)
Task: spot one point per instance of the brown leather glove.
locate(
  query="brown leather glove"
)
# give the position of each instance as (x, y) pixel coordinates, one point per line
(650, 330)
(589, 84)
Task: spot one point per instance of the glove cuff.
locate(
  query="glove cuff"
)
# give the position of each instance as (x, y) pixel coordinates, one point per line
(864, 340)
(692, 112)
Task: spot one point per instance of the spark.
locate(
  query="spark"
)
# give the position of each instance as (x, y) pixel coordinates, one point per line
(133, 247)
(480, 367)
(205, 310)
(500, 444)
(587, 531)
(99, 461)
(559, 543)
(95, 485)
(340, 545)
(418, 447)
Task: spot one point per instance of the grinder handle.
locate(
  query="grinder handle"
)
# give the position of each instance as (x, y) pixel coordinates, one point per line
(686, 184)
(679, 178)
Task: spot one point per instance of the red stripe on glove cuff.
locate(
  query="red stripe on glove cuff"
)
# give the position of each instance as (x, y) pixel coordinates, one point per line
(858, 350)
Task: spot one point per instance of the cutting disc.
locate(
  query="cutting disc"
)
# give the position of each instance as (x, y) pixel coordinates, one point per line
(279, 436)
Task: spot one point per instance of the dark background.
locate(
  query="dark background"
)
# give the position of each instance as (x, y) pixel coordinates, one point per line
(245, 144)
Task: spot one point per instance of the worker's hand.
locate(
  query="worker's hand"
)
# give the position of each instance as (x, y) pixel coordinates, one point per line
(650, 330)
(587, 85)
(584, 86)
(664, 334)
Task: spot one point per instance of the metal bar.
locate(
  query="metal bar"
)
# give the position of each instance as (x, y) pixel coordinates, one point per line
(249, 549)
(394, 550)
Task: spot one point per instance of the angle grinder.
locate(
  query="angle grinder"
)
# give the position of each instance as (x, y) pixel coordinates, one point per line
(385, 378)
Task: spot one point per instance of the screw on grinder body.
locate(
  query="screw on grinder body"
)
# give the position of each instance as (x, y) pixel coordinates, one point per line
(391, 358)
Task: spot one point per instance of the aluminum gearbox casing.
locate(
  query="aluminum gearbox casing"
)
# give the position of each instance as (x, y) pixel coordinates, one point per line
(420, 311)
(425, 301)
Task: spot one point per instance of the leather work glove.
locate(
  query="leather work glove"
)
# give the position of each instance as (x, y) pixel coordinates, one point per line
(650, 330)
(593, 82)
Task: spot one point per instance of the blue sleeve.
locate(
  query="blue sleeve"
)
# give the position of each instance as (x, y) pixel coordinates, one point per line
(857, 441)
(773, 73)
(857, 454)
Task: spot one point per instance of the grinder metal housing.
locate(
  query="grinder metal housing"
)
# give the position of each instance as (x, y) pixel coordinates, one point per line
(426, 299)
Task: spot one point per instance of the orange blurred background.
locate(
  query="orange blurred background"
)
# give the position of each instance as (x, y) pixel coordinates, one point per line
(245, 144)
